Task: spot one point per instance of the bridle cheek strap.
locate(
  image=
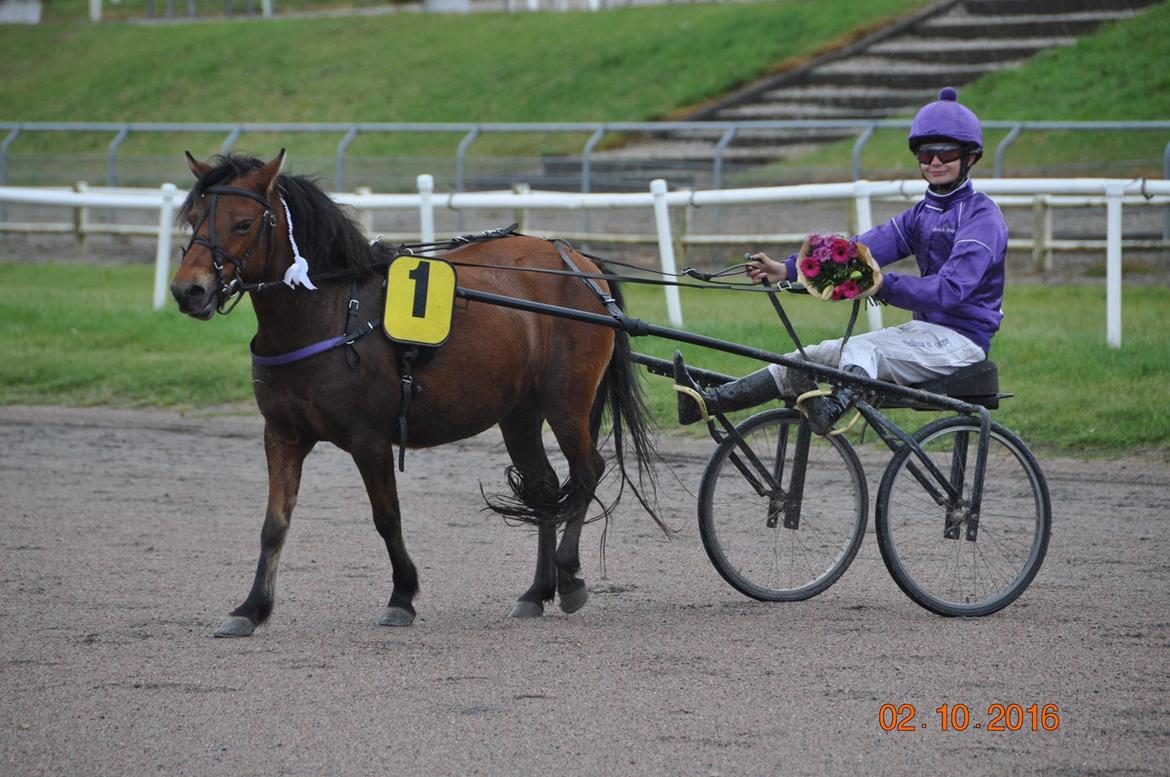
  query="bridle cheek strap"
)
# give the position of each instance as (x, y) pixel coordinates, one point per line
(220, 256)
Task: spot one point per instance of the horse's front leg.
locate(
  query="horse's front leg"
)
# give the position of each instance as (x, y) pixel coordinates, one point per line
(375, 461)
(286, 456)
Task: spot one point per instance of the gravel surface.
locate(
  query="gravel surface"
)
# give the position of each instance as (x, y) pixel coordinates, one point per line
(127, 536)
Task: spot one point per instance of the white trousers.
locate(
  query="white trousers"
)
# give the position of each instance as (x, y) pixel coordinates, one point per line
(909, 353)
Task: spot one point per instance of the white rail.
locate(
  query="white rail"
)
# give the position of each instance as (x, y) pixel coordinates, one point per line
(1112, 192)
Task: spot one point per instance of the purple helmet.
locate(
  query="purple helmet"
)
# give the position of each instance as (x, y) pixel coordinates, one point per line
(946, 119)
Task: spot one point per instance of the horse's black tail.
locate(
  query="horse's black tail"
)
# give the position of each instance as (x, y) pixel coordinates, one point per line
(620, 397)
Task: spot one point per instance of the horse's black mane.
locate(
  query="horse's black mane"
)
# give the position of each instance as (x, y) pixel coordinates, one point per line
(328, 238)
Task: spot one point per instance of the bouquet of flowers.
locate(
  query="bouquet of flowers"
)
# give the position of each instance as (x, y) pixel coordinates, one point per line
(833, 268)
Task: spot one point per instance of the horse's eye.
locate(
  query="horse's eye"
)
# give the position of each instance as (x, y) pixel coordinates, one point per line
(243, 226)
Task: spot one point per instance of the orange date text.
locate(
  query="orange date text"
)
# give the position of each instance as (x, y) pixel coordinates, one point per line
(959, 717)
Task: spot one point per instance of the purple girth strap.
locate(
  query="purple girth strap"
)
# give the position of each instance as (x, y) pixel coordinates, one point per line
(308, 350)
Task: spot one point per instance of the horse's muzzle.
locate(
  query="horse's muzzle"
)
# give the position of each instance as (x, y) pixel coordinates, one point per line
(198, 300)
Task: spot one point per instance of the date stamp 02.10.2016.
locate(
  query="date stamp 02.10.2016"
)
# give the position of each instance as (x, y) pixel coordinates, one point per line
(959, 717)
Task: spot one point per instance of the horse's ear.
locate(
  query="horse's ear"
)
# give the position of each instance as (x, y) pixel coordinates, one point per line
(197, 168)
(268, 173)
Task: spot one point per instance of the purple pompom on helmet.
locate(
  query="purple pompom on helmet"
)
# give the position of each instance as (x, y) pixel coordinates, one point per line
(946, 119)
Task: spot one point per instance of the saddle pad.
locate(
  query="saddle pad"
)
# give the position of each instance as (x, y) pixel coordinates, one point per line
(420, 300)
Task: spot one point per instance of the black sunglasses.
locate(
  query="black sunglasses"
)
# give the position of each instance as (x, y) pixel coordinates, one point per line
(946, 153)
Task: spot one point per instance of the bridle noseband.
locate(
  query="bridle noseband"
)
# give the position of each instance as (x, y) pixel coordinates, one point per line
(220, 255)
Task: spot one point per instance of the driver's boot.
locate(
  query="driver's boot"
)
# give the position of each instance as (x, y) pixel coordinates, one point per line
(748, 391)
(824, 412)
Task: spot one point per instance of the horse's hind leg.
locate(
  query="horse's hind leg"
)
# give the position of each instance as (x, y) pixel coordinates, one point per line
(285, 459)
(584, 477)
(535, 484)
(375, 461)
(586, 467)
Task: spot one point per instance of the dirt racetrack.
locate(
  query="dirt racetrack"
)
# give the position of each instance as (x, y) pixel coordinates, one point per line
(127, 536)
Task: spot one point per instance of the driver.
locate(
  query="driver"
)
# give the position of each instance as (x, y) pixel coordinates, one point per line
(958, 237)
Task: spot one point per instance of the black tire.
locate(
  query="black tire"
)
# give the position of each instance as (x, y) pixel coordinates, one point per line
(779, 564)
(958, 576)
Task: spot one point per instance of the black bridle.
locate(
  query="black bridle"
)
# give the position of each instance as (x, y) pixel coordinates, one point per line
(220, 255)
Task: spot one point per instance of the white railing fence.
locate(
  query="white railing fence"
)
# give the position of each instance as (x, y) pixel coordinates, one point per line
(1113, 193)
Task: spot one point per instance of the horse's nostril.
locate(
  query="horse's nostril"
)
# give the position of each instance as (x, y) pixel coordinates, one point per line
(192, 293)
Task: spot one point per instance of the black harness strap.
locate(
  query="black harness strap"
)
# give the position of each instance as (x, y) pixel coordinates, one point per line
(607, 299)
(406, 359)
(352, 357)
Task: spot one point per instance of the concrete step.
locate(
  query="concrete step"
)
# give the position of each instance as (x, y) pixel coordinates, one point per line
(789, 109)
(969, 26)
(1019, 7)
(967, 52)
(880, 71)
(857, 98)
(697, 152)
(772, 137)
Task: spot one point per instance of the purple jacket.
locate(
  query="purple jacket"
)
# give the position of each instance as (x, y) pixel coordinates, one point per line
(960, 242)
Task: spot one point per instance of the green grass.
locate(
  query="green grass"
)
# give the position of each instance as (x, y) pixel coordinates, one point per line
(629, 64)
(81, 335)
(626, 64)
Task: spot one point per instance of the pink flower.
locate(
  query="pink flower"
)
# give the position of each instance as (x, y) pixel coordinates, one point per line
(837, 294)
(840, 250)
(810, 267)
(849, 289)
(822, 254)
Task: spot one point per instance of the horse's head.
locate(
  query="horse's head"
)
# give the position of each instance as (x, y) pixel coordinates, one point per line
(230, 210)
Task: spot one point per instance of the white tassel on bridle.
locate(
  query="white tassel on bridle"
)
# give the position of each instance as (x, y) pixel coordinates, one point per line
(299, 271)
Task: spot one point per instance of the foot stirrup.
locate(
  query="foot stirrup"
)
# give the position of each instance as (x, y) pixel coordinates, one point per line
(698, 397)
(810, 395)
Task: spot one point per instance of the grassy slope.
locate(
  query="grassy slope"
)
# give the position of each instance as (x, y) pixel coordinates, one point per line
(86, 335)
(1110, 76)
(626, 64)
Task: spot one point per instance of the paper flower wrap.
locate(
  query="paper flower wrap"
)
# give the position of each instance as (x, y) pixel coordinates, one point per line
(833, 268)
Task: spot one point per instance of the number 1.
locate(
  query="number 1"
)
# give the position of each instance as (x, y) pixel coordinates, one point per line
(420, 275)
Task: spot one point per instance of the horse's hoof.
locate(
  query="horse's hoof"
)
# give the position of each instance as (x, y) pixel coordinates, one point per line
(574, 600)
(527, 609)
(236, 626)
(396, 616)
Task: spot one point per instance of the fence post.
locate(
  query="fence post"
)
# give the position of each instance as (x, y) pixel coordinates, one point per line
(426, 209)
(587, 172)
(81, 215)
(339, 176)
(1002, 148)
(1041, 234)
(863, 213)
(112, 156)
(666, 249)
(460, 167)
(366, 215)
(162, 259)
(520, 215)
(1113, 193)
(717, 171)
